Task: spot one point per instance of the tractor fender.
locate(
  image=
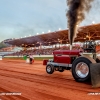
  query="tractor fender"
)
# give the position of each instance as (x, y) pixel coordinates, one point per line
(88, 57)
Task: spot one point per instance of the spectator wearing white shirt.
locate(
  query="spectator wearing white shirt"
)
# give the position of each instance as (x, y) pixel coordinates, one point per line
(31, 58)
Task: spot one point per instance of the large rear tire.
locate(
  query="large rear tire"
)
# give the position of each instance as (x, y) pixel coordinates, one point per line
(49, 68)
(81, 69)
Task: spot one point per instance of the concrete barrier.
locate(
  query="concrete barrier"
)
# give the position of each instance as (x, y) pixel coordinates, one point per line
(0, 57)
(33, 56)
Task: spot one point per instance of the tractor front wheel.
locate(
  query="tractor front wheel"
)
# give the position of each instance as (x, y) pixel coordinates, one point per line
(49, 68)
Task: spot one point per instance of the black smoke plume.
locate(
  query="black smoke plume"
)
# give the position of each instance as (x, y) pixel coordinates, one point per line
(75, 14)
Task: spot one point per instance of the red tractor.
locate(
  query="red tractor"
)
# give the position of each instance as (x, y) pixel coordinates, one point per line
(76, 60)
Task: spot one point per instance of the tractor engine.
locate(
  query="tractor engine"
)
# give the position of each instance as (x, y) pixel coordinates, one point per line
(89, 49)
(89, 46)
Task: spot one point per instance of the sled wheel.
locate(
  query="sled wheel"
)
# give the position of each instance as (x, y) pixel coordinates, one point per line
(49, 69)
(81, 69)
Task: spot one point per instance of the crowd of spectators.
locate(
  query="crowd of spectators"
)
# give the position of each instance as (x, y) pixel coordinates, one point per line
(48, 51)
(33, 52)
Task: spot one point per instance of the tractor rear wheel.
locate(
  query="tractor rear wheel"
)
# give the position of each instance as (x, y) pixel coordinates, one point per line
(49, 68)
(81, 69)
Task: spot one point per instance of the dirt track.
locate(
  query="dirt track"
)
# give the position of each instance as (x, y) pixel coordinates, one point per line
(31, 82)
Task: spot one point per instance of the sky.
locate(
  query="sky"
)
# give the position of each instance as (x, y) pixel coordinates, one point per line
(20, 18)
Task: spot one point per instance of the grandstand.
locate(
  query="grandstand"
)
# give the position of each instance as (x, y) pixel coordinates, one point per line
(56, 40)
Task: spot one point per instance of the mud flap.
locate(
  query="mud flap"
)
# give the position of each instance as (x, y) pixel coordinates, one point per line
(95, 74)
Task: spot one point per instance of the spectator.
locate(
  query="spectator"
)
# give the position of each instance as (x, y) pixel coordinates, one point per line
(31, 58)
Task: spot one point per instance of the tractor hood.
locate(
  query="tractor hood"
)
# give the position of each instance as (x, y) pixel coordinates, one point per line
(66, 52)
